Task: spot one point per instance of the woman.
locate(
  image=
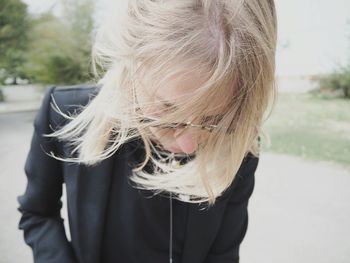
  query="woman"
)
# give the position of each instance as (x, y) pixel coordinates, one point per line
(159, 158)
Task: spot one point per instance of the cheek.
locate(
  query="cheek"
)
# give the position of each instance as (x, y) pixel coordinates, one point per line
(162, 135)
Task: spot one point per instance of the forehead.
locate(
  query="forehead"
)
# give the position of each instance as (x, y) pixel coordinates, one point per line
(176, 87)
(179, 87)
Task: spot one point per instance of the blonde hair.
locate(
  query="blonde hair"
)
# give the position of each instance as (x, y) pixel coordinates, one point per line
(232, 42)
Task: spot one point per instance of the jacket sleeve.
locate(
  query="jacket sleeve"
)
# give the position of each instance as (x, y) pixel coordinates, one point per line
(225, 248)
(40, 205)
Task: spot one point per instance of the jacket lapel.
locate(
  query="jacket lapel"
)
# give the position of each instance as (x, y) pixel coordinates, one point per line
(89, 197)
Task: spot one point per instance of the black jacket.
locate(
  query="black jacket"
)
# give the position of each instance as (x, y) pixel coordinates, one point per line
(213, 235)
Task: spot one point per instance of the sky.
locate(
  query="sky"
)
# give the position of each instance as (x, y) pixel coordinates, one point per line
(313, 35)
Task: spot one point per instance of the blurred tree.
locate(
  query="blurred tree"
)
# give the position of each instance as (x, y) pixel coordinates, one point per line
(338, 80)
(60, 47)
(14, 27)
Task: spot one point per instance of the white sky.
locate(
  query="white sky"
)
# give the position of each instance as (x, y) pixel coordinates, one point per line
(314, 35)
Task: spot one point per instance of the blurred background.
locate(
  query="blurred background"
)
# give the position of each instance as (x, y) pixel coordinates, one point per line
(300, 209)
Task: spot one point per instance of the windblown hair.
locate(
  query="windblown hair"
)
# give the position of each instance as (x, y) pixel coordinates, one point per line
(232, 42)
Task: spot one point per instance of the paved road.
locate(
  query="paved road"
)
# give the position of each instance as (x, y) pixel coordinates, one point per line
(299, 211)
(15, 134)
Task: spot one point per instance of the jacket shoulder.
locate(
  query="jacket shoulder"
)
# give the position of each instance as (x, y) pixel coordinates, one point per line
(67, 97)
(61, 101)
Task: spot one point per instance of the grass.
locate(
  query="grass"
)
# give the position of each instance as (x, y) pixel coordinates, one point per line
(311, 126)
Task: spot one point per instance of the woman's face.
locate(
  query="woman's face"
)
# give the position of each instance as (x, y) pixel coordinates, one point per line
(178, 140)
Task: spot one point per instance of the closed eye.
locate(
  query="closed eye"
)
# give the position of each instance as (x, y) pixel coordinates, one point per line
(212, 119)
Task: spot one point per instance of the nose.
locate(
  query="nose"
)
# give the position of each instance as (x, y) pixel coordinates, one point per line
(186, 140)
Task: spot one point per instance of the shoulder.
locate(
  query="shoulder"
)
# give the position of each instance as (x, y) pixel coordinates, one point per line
(73, 96)
(62, 100)
(243, 180)
(59, 101)
(248, 165)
